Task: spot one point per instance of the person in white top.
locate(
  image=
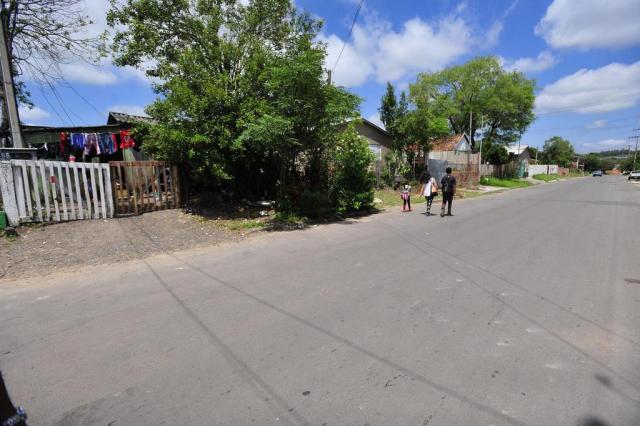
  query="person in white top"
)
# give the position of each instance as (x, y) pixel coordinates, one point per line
(429, 190)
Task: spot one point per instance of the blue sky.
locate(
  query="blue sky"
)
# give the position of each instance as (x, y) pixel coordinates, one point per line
(584, 55)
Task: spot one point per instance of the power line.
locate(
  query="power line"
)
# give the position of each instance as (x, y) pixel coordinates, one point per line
(355, 19)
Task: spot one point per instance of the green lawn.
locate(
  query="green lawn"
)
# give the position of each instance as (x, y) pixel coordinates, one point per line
(391, 198)
(504, 183)
(546, 178)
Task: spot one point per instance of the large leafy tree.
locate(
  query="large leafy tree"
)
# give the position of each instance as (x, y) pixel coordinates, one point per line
(42, 36)
(500, 102)
(557, 150)
(243, 98)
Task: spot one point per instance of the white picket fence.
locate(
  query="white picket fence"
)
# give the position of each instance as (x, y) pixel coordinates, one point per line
(54, 191)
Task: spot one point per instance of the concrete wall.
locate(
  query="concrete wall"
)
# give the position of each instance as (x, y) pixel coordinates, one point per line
(543, 169)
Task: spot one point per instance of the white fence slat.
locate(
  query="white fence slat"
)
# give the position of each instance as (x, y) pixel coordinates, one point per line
(103, 205)
(107, 184)
(96, 212)
(78, 189)
(36, 189)
(19, 189)
(8, 193)
(27, 188)
(67, 174)
(87, 198)
(45, 190)
(63, 193)
(53, 189)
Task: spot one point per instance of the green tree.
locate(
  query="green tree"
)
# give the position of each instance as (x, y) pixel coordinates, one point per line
(494, 153)
(388, 107)
(534, 152)
(352, 183)
(557, 150)
(592, 162)
(242, 97)
(502, 101)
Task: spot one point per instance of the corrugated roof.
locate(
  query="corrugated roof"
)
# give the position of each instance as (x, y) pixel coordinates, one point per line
(446, 143)
(122, 118)
(513, 149)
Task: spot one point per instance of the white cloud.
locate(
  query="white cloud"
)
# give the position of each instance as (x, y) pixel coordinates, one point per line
(421, 47)
(128, 109)
(543, 61)
(610, 88)
(32, 115)
(612, 143)
(591, 24)
(377, 51)
(88, 74)
(598, 124)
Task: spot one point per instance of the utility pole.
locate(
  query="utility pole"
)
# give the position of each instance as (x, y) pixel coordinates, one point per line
(635, 152)
(8, 90)
(481, 140)
(328, 76)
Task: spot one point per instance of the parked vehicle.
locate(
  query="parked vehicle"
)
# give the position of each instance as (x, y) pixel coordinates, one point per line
(634, 175)
(597, 173)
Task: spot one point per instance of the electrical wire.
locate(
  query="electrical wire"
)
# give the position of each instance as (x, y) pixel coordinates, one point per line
(346, 40)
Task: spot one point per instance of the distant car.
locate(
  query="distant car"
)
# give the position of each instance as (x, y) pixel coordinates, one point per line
(597, 173)
(634, 175)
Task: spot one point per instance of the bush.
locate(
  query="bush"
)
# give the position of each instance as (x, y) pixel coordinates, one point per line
(314, 204)
(352, 183)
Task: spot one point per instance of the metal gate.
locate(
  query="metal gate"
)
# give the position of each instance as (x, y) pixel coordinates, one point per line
(143, 186)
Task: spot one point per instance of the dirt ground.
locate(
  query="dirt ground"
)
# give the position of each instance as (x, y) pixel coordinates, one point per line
(41, 250)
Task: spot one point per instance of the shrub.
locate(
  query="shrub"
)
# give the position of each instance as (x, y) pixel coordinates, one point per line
(352, 183)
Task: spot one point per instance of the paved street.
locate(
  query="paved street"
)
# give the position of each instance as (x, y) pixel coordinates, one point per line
(524, 308)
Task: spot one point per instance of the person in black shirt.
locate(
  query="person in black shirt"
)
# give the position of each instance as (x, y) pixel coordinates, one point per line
(448, 186)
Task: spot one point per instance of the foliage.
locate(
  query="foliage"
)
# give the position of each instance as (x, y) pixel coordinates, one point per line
(534, 152)
(557, 150)
(43, 35)
(243, 99)
(546, 178)
(388, 107)
(593, 162)
(494, 153)
(502, 101)
(352, 184)
(504, 183)
(628, 163)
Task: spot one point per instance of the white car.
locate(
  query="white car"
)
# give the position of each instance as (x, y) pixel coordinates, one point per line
(634, 175)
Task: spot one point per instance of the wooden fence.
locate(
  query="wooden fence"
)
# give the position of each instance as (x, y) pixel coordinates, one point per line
(143, 186)
(54, 191)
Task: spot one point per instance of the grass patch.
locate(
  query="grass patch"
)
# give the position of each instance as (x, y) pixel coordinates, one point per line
(504, 183)
(546, 178)
(389, 198)
(244, 224)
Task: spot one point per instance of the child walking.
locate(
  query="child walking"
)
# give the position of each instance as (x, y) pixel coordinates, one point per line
(405, 194)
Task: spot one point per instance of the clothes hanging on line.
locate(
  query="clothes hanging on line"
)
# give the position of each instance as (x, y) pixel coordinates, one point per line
(126, 140)
(91, 144)
(107, 143)
(78, 140)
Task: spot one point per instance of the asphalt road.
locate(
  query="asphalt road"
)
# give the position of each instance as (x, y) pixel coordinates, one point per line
(523, 308)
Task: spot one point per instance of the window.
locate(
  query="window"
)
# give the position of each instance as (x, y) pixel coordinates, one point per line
(376, 149)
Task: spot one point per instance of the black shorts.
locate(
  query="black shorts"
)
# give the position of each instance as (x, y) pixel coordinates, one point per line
(447, 197)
